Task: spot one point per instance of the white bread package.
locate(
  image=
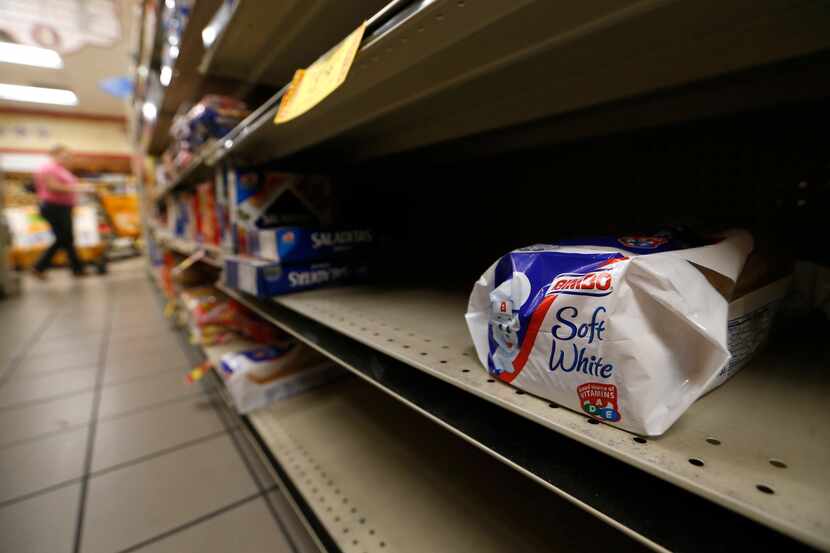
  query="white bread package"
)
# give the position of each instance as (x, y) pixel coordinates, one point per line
(630, 330)
(256, 377)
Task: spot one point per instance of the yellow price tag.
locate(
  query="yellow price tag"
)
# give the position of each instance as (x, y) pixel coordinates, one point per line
(310, 86)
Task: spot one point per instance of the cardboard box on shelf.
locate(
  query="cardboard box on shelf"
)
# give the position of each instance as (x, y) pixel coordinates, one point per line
(268, 278)
(294, 244)
(262, 200)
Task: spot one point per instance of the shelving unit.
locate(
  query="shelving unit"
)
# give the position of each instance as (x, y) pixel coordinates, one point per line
(327, 445)
(425, 330)
(419, 449)
(420, 61)
(330, 446)
(187, 83)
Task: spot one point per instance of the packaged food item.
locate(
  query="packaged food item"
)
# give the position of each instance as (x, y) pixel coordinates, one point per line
(208, 218)
(629, 329)
(293, 244)
(222, 197)
(212, 314)
(259, 376)
(211, 118)
(268, 278)
(264, 200)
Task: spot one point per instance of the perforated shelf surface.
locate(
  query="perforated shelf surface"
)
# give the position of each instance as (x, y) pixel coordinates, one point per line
(381, 479)
(758, 445)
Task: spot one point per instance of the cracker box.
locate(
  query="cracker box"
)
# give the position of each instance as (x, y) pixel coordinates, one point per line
(294, 244)
(268, 278)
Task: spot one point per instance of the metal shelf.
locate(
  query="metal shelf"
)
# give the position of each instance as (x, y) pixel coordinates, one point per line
(352, 464)
(440, 70)
(214, 255)
(620, 68)
(758, 416)
(381, 479)
(265, 42)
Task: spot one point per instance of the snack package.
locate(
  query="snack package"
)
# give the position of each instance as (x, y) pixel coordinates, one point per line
(631, 330)
(208, 214)
(256, 377)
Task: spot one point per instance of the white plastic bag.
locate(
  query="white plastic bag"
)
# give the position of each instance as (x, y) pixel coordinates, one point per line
(258, 376)
(628, 330)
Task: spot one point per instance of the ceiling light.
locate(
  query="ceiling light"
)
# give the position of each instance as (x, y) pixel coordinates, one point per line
(208, 35)
(174, 52)
(166, 75)
(38, 95)
(170, 4)
(149, 111)
(29, 55)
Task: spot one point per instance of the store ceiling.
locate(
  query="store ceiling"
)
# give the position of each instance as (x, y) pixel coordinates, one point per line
(93, 38)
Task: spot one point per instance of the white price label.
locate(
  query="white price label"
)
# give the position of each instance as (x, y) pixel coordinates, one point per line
(268, 245)
(247, 278)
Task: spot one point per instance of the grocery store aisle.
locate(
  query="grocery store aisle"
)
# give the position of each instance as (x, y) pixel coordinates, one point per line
(103, 446)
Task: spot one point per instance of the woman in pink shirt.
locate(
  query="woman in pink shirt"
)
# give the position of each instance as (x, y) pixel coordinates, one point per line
(56, 189)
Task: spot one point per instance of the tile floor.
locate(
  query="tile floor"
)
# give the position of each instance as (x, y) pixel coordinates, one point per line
(103, 446)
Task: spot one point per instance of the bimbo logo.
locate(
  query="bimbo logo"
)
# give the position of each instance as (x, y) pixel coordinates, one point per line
(597, 283)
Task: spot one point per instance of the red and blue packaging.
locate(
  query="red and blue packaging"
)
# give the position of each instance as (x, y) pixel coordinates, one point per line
(630, 330)
(268, 199)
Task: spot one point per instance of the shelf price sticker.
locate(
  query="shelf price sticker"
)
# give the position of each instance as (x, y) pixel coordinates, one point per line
(312, 85)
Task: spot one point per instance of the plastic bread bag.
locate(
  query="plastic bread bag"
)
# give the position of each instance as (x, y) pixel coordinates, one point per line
(256, 377)
(630, 330)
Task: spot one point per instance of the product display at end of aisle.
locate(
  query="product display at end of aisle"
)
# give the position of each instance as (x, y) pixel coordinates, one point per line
(256, 377)
(630, 330)
(31, 235)
(268, 278)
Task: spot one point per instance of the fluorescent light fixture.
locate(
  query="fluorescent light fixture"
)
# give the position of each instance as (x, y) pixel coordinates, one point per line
(208, 35)
(29, 55)
(166, 75)
(38, 95)
(174, 52)
(149, 111)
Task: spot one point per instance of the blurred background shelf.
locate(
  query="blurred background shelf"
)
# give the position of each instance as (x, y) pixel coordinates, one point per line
(764, 463)
(213, 255)
(187, 84)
